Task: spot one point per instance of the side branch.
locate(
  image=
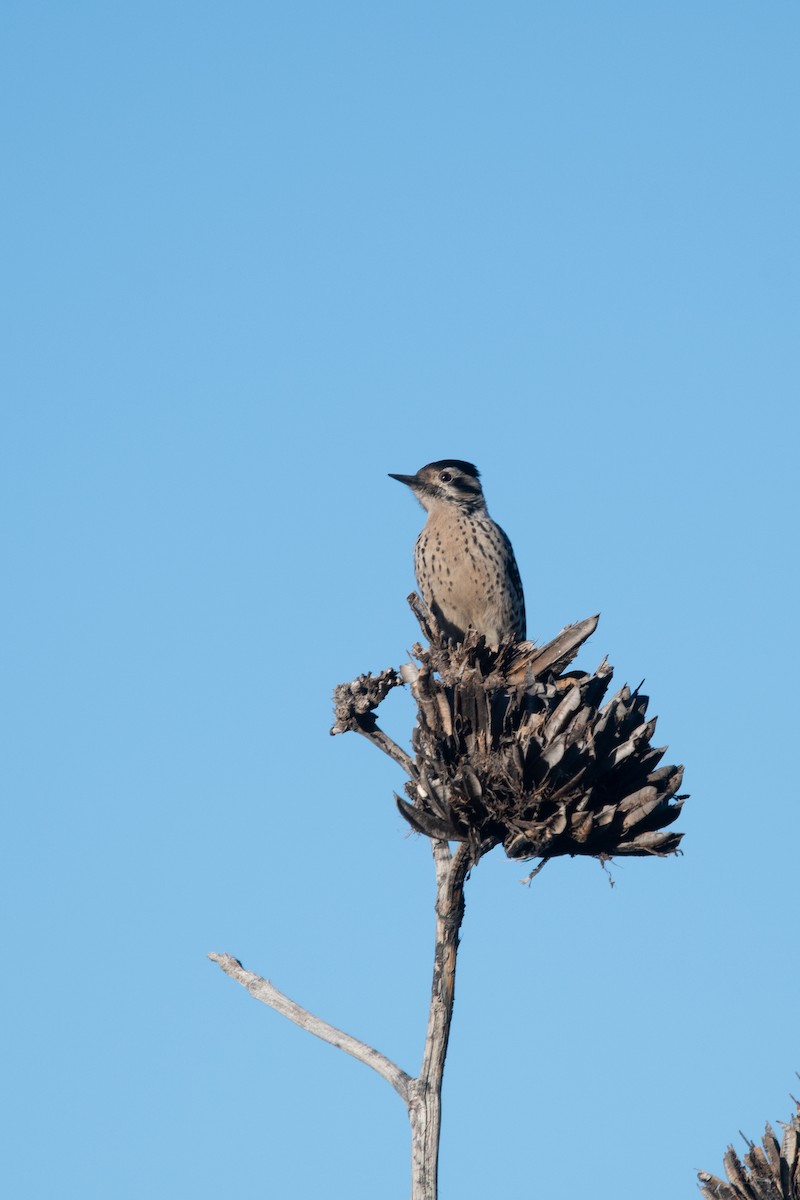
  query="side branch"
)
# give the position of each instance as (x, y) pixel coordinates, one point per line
(354, 710)
(370, 729)
(267, 993)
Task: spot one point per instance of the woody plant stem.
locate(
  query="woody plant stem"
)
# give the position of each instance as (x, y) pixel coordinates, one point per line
(421, 1095)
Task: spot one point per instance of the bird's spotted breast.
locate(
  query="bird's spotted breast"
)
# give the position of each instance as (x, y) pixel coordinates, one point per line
(470, 580)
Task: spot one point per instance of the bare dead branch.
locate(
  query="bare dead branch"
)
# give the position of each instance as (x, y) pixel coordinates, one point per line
(261, 989)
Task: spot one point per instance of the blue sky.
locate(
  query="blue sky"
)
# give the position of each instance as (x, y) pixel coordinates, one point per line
(256, 257)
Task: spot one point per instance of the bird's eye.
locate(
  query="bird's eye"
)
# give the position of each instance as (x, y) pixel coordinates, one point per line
(445, 476)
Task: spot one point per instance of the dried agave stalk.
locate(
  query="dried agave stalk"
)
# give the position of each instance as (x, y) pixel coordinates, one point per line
(770, 1171)
(509, 749)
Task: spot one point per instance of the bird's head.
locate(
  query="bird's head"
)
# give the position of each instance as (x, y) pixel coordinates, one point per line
(447, 481)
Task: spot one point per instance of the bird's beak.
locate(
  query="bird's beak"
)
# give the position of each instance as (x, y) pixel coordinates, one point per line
(409, 480)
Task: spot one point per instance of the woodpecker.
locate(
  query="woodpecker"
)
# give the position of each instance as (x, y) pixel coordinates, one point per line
(464, 563)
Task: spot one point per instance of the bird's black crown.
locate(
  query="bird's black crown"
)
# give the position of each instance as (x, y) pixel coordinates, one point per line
(466, 467)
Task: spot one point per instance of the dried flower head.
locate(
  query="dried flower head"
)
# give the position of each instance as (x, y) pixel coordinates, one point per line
(511, 749)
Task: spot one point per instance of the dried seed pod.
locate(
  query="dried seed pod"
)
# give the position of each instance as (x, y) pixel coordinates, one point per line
(524, 754)
(529, 759)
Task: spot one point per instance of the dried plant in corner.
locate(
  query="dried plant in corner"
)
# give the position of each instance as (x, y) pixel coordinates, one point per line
(509, 749)
(770, 1171)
